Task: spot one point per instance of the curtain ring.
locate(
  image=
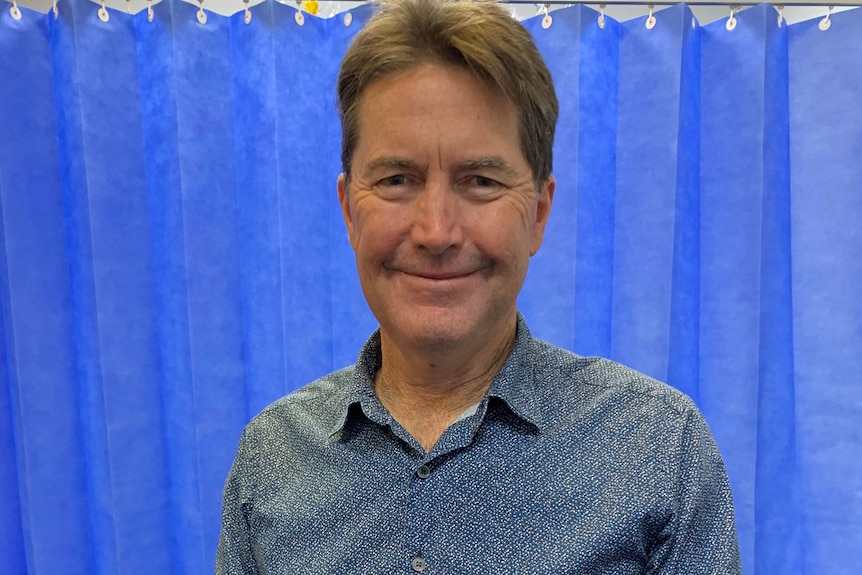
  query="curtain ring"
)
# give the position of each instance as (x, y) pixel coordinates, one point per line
(300, 19)
(547, 20)
(602, 16)
(103, 13)
(150, 14)
(780, 15)
(202, 16)
(731, 22)
(650, 22)
(15, 11)
(826, 23)
(247, 16)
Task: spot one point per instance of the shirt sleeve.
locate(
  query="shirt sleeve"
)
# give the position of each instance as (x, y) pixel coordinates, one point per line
(234, 555)
(701, 536)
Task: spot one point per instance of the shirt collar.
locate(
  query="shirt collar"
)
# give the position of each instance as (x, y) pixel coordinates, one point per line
(514, 384)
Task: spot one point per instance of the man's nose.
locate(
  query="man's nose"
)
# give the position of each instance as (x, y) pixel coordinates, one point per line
(437, 218)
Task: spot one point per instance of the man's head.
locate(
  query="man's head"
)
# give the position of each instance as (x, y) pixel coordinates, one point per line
(449, 115)
(480, 37)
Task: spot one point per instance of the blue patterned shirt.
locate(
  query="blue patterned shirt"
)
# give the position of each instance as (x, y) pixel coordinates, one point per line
(569, 465)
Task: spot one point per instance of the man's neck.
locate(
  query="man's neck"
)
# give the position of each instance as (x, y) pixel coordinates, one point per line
(426, 391)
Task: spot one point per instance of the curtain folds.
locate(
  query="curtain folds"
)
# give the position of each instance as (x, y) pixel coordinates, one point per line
(173, 259)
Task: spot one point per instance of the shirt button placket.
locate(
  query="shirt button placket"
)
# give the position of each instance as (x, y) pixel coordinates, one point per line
(418, 525)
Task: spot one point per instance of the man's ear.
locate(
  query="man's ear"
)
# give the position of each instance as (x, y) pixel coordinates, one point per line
(344, 200)
(543, 212)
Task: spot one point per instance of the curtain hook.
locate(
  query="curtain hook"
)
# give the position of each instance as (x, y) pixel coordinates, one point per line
(731, 22)
(15, 11)
(826, 23)
(780, 15)
(128, 6)
(650, 22)
(247, 16)
(300, 19)
(547, 20)
(602, 16)
(150, 14)
(55, 10)
(202, 16)
(103, 13)
(338, 9)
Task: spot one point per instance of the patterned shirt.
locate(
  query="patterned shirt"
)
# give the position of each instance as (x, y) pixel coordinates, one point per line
(568, 465)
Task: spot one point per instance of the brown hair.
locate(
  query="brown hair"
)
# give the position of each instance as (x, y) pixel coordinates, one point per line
(479, 36)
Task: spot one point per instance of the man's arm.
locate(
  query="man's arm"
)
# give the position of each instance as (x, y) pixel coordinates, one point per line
(234, 556)
(701, 536)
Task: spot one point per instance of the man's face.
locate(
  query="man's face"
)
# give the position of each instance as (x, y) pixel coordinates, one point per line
(441, 208)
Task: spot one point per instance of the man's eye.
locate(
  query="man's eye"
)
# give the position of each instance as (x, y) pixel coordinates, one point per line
(484, 182)
(397, 180)
(480, 186)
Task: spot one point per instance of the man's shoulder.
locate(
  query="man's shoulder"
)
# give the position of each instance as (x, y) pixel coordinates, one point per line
(314, 406)
(585, 381)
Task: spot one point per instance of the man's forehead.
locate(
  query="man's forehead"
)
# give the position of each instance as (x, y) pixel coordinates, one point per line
(435, 113)
(464, 76)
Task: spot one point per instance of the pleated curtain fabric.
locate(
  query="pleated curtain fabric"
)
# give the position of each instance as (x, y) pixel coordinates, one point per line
(174, 259)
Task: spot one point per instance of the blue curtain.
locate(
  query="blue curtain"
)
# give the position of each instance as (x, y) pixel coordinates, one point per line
(173, 259)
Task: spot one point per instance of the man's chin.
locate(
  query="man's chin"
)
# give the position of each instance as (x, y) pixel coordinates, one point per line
(453, 327)
(438, 333)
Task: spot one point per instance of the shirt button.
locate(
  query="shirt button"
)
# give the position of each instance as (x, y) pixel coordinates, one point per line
(418, 564)
(423, 471)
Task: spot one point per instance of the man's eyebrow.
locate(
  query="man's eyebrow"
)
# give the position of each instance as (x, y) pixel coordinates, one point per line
(470, 164)
(489, 163)
(387, 162)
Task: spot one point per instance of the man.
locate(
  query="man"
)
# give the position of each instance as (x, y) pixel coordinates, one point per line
(458, 443)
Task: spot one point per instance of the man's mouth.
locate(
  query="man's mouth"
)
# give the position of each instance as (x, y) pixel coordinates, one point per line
(441, 275)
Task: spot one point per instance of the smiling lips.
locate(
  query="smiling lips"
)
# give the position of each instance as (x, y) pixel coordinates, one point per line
(437, 272)
(440, 275)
